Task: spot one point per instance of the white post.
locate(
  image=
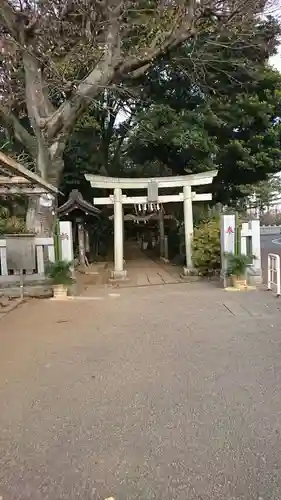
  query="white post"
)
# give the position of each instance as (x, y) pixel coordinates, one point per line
(51, 253)
(123, 230)
(66, 241)
(188, 227)
(118, 272)
(81, 244)
(3, 259)
(251, 230)
(269, 272)
(243, 244)
(273, 276)
(227, 235)
(256, 245)
(161, 233)
(40, 259)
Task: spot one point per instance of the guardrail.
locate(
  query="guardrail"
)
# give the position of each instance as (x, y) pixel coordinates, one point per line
(264, 230)
(273, 273)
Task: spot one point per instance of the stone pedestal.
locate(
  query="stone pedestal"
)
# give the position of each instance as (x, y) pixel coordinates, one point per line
(118, 275)
(254, 277)
(190, 274)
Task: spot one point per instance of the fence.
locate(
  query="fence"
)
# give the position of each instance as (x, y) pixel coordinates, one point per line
(44, 252)
(273, 273)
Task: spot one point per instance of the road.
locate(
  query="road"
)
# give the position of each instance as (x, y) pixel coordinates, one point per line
(156, 393)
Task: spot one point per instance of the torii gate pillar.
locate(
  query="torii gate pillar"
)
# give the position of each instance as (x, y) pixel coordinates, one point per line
(188, 227)
(118, 272)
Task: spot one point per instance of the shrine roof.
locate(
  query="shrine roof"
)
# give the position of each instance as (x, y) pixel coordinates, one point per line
(76, 202)
(17, 179)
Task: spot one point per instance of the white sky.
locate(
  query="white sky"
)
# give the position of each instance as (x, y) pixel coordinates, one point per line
(276, 60)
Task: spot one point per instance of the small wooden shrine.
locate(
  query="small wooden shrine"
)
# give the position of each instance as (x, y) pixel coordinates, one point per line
(17, 179)
(82, 214)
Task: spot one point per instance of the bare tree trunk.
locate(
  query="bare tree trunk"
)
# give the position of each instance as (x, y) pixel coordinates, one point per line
(39, 218)
(41, 209)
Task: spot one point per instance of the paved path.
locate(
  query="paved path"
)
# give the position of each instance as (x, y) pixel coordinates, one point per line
(142, 271)
(159, 393)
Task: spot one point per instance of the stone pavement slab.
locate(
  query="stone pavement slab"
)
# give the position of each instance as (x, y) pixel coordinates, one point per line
(166, 392)
(140, 279)
(155, 279)
(144, 272)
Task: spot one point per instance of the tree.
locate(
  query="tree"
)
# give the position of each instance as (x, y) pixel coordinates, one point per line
(261, 195)
(96, 142)
(59, 55)
(226, 117)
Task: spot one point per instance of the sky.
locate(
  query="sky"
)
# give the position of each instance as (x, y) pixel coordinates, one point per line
(276, 60)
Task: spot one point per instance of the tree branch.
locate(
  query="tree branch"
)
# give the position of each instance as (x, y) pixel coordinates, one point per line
(37, 100)
(99, 78)
(9, 17)
(173, 23)
(20, 133)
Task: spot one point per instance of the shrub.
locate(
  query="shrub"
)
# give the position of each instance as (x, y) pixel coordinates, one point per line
(60, 272)
(237, 264)
(10, 224)
(206, 247)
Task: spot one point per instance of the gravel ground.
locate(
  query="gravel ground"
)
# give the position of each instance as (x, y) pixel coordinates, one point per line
(166, 393)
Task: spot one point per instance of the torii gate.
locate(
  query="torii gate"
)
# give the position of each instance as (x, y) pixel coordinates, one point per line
(151, 185)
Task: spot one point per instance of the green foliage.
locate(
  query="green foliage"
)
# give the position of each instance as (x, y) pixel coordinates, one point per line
(178, 139)
(11, 224)
(206, 251)
(226, 115)
(237, 264)
(95, 146)
(60, 272)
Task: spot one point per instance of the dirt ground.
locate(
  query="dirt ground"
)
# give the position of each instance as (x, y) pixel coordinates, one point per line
(154, 392)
